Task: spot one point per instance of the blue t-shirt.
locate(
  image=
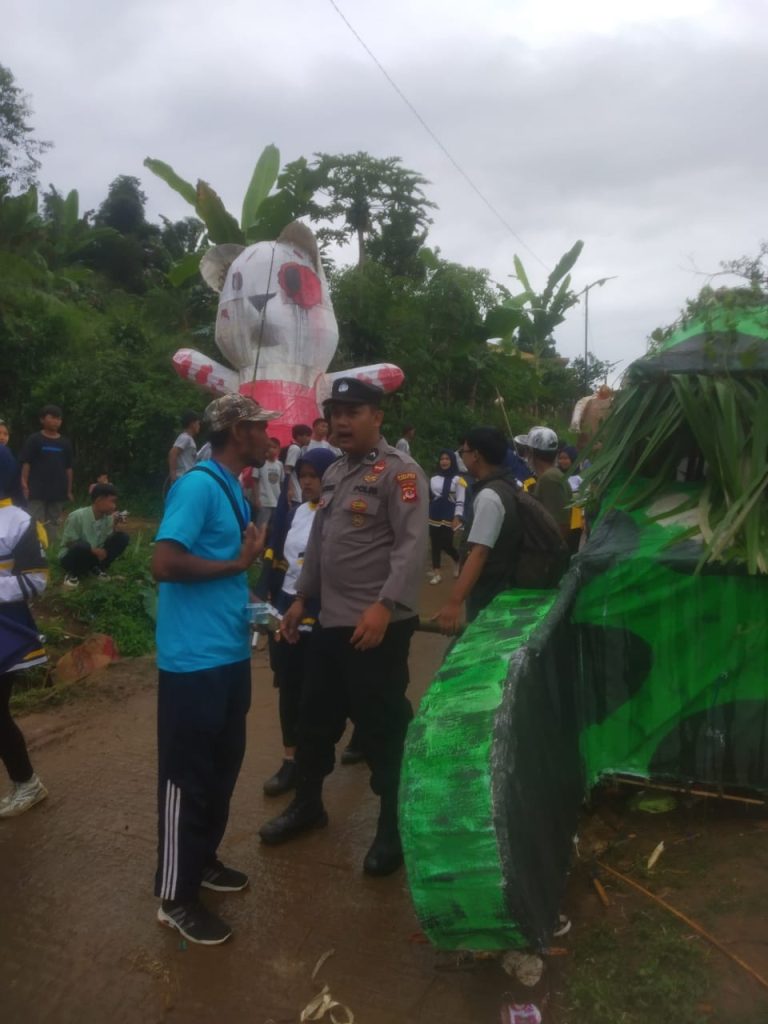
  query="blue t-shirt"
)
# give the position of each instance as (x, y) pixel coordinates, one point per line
(203, 624)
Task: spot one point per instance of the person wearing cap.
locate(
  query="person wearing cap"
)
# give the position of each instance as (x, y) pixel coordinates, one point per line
(364, 561)
(494, 534)
(551, 487)
(204, 545)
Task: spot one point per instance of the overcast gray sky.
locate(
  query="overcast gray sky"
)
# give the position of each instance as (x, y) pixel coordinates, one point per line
(638, 126)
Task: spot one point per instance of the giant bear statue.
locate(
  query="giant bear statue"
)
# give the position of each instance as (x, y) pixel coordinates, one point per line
(275, 324)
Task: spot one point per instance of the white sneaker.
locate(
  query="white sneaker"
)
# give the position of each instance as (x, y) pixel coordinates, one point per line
(71, 582)
(435, 578)
(456, 571)
(23, 796)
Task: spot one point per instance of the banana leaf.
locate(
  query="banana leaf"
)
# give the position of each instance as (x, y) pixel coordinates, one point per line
(263, 178)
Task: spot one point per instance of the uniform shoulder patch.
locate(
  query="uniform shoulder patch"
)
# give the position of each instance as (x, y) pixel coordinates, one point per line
(408, 489)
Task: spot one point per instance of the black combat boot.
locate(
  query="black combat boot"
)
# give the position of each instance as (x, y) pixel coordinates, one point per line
(283, 780)
(386, 853)
(303, 813)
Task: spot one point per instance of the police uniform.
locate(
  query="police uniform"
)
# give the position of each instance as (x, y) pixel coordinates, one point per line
(368, 544)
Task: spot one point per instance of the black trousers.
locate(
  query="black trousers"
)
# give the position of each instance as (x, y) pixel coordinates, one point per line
(367, 686)
(441, 538)
(289, 663)
(13, 749)
(79, 560)
(200, 746)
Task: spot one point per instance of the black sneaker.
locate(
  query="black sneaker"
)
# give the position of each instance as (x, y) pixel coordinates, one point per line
(282, 781)
(223, 879)
(195, 922)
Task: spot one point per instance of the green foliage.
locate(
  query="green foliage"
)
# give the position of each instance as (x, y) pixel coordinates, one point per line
(432, 327)
(376, 199)
(20, 224)
(262, 180)
(657, 423)
(530, 318)
(105, 357)
(121, 605)
(264, 213)
(20, 151)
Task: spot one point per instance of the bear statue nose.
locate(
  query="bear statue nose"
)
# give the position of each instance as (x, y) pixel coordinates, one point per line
(260, 301)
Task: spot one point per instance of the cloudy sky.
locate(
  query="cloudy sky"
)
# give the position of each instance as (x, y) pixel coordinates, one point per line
(638, 126)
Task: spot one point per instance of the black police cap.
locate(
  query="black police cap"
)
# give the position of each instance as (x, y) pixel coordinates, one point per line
(355, 392)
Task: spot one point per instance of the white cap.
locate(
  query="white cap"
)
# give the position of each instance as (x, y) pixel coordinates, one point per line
(540, 439)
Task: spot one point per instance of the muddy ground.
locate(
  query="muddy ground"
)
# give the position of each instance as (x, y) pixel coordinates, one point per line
(79, 942)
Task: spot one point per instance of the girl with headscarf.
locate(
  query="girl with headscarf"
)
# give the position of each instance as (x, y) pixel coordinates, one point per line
(446, 511)
(567, 459)
(282, 566)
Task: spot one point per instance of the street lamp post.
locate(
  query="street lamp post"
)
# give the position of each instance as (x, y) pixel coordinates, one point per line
(585, 292)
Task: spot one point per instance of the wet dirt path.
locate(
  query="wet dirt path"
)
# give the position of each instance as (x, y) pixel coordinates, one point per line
(78, 938)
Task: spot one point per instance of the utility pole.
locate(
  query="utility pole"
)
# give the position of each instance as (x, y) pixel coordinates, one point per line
(585, 292)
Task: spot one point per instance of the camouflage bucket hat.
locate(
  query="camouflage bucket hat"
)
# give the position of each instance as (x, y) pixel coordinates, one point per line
(230, 409)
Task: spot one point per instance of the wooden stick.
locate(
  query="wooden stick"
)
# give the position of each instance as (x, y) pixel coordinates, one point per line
(688, 921)
(650, 784)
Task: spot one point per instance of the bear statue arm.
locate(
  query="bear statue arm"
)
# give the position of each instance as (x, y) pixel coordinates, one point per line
(205, 372)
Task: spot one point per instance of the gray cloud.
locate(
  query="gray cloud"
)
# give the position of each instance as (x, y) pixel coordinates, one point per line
(647, 143)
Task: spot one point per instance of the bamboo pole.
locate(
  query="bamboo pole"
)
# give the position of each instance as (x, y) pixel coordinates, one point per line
(685, 791)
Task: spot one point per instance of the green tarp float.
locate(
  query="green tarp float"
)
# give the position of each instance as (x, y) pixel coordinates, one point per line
(643, 663)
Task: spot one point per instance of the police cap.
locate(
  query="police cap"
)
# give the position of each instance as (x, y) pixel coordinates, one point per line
(352, 391)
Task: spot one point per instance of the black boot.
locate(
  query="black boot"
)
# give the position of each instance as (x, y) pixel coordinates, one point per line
(303, 813)
(386, 853)
(283, 780)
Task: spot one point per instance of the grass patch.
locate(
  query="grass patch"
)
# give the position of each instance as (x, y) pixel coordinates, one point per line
(645, 970)
(123, 606)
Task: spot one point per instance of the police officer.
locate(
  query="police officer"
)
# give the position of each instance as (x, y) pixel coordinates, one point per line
(364, 560)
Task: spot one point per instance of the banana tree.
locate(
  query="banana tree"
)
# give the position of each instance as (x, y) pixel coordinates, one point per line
(68, 236)
(526, 321)
(263, 215)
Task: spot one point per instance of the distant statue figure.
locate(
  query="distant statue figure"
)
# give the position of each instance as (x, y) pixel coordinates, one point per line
(275, 324)
(589, 413)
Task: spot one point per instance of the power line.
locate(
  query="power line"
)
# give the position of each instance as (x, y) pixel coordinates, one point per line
(499, 216)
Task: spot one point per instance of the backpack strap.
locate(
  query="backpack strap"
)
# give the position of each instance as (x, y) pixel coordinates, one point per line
(215, 476)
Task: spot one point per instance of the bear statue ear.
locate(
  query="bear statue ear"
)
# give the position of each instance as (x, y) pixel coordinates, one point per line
(300, 236)
(216, 262)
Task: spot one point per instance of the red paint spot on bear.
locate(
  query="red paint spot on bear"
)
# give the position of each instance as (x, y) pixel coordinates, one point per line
(300, 284)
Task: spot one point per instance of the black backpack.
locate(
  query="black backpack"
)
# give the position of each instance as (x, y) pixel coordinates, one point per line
(542, 557)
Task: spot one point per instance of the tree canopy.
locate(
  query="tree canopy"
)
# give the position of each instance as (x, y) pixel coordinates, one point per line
(93, 304)
(20, 151)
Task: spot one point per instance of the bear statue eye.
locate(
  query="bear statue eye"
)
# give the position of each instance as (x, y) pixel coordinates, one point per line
(300, 284)
(237, 281)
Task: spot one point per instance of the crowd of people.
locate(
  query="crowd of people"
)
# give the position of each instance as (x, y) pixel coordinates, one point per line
(341, 522)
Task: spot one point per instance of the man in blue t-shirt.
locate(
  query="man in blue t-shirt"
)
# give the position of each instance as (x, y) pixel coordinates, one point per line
(203, 548)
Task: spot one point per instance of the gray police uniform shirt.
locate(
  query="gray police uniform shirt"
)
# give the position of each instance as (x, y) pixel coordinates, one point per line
(369, 537)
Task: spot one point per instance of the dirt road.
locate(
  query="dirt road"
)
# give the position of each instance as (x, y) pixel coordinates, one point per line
(77, 931)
